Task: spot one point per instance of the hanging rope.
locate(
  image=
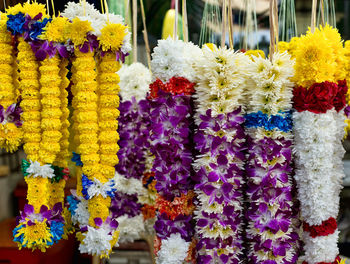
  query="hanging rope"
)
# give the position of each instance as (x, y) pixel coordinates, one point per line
(211, 21)
(224, 23)
(230, 24)
(287, 20)
(134, 29)
(313, 15)
(145, 35)
(176, 19)
(273, 27)
(184, 20)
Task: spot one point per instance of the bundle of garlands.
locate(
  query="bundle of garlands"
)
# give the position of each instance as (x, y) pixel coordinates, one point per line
(95, 44)
(319, 101)
(171, 144)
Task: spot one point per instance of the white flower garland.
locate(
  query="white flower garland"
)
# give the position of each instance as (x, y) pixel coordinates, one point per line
(173, 250)
(36, 170)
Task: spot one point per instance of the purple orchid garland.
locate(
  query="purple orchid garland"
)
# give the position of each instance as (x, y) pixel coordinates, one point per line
(219, 165)
(219, 187)
(272, 219)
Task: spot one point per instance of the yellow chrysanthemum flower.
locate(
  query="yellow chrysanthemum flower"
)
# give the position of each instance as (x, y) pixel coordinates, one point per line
(112, 36)
(10, 137)
(315, 61)
(55, 30)
(255, 53)
(33, 9)
(13, 10)
(283, 46)
(77, 31)
(36, 236)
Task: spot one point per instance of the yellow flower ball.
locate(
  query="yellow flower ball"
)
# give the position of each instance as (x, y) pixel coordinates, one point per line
(10, 137)
(34, 8)
(77, 31)
(55, 30)
(110, 160)
(112, 36)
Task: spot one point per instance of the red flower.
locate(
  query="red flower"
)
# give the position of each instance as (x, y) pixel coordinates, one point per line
(336, 261)
(340, 98)
(327, 227)
(317, 99)
(180, 85)
(155, 87)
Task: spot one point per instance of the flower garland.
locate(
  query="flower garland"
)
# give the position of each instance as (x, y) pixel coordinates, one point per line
(10, 112)
(95, 110)
(319, 100)
(347, 68)
(171, 138)
(42, 114)
(220, 142)
(134, 127)
(272, 222)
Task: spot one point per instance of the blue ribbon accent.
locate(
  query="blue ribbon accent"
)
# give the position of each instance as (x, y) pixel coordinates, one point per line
(73, 204)
(282, 121)
(86, 183)
(76, 158)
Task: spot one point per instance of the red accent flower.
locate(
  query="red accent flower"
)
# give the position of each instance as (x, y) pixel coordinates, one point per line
(176, 85)
(320, 97)
(336, 261)
(148, 211)
(157, 245)
(340, 99)
(180, 85)
(327, 227)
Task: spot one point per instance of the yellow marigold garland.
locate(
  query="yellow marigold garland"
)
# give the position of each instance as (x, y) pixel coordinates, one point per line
(347, 69)
(30, 87)
(10, 134)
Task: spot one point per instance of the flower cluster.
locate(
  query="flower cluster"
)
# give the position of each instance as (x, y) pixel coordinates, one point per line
(219, 166)
(319, 98)
(39, 230)
(171, 113)
(134, 129)
(272, 223)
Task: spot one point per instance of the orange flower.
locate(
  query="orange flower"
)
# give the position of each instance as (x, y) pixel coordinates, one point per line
(148, 211)
(180, 205)
(191, 253)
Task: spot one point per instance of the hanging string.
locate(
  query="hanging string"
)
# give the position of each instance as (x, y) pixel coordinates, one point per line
(322, 13)
(53, 8)
(4, 4)
(287, 20)
(145, 35)
(211, 23)
(230, 24)
(134, 29)
(102, 9)
(273, 27)
(326, 13)
(106, 10)
(224, 23)
(184, 20)
(313, 15)
(176, 18)
(48, 7)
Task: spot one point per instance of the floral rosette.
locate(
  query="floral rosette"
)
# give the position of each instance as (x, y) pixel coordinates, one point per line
(133, 128)
(319, 101)
(98, 48)
(219, 166)
(171, 138)
(10, 111)
(272, 229)
(39, 85)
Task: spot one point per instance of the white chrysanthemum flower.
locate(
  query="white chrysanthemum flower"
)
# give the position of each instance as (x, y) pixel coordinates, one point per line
(99, 188)
(128, 186)
(173, 250)
(96, 242)
(130, 229)
(174, 58)
(270, 89)
(134, 81)
(80, 9)
(221, 83)
(82, 214)
(43, 171)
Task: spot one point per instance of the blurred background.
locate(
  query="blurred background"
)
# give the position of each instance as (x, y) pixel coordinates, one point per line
(12, 185)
